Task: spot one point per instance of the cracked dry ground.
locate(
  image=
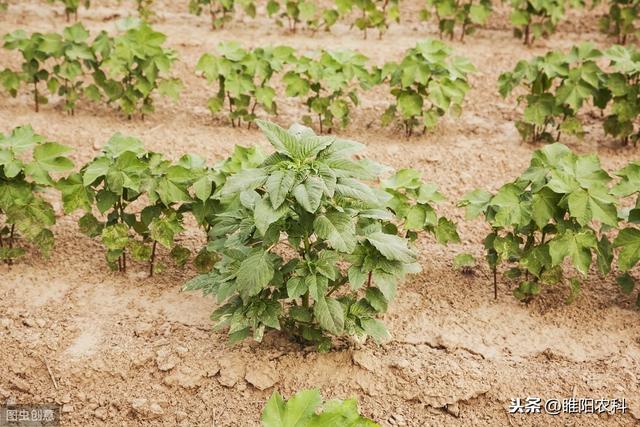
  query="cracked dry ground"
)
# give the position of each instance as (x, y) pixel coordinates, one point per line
(129, 350)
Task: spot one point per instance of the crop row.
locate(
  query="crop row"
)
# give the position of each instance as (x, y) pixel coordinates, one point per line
(427, 83)
(126, 70)
(309, 239)
(558, 86)
(530, 19)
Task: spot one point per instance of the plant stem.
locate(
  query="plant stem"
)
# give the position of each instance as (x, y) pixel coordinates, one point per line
(35, 95)
(153, 258)
(338, 285)
(305, 300)
(495, 282)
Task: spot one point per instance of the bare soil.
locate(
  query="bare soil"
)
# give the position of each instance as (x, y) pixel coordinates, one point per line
(132, 350)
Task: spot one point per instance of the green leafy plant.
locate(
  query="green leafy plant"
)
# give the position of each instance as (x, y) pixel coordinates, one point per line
(464, 262)
(145, 8)
(558, 85)
(628, 239)
(538, 18)
(244, 79)
(305, 409)
(623, 88)
(221, 11)
(451, 13)
(555, 211)
(306, 12)
(72, 55)
(33, 68)
(141, 196)
(621, 19)
(426, 84)
(26, 162)
(133, 66)
(305, 245)
(328, 82)
(371, 14)
(71, 7)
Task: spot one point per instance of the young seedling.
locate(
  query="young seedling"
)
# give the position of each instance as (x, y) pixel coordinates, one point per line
(426, 84)
(302, 11)
(628, 239)
(136, 66)
(533, 19)
(622, 87)
(371, 14)
(621, 21)
(306, 409)
(328, 82)
(558, 86)
(451, 13)
(306, 245)
(71, 7)
(221, 11)
(26, 162)
(72, 55)
(140, 196)
(465, 262)
(33, 67)
(145, 9)
(243, 79)
(556, 210)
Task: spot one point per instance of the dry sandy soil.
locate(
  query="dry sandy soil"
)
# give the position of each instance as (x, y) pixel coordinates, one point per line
(129, 350)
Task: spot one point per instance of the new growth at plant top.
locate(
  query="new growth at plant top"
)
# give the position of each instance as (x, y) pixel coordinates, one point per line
(126, 70)
(307, 246)
(26, 162)
(560, 85)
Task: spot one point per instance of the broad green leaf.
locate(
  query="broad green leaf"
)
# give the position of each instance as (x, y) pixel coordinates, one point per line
(278, 186)
(329, 314)
(309, 193)
(254, 274)
(392, 247)
(629, 240)
(577, 246)
(338, 229)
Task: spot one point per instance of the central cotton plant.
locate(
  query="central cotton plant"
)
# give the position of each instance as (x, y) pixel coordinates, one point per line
(307, 246)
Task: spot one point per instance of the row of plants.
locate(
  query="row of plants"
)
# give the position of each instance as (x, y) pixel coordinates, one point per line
(557, 87)
(364, 14)
(308, 239)
(426, 84)
(124, 70)
(531, 19)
